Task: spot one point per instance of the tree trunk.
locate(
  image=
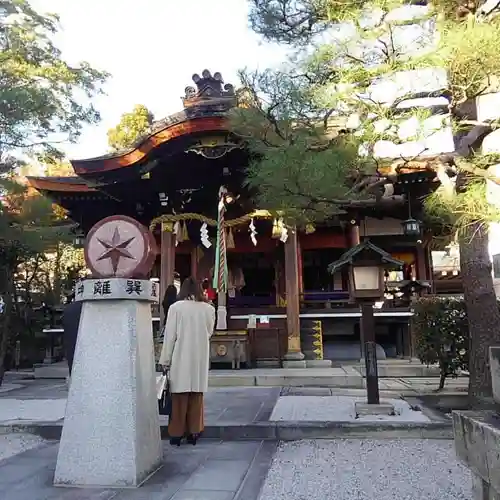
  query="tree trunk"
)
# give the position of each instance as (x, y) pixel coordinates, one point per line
(482, 310)
(57, 276)
(442, 378)
(5, 317)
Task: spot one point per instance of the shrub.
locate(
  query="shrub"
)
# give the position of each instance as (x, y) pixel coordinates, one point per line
(441, 333)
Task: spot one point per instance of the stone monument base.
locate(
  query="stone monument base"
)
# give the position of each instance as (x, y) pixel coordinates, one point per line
(111, 433)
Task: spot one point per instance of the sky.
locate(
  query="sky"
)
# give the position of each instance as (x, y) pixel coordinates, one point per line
(152, 48)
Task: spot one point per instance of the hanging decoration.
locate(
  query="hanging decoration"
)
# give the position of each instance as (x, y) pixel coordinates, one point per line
(220, 271)
(277, 228)
(177, 224)
(310, 228)
(184, 232)
(205, 241)
(177, 233)
(284, 234)
(167, 227)
(257, 214)
(230, 239)
(253, 232)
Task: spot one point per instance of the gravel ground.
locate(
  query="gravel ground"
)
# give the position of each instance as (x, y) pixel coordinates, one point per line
(12, 444)
(339, 409)
(367, 470)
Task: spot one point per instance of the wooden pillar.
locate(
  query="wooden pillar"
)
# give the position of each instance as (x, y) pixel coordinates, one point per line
(424, 266)
(300, 271)
(294, 357)
(167, 262)
(194, 262)
(279, 274)
(353, 239)
(353, 236)
(429, 271)
(406, 335)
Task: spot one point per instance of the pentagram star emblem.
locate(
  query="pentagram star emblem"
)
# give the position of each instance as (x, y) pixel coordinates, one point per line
(115, 249)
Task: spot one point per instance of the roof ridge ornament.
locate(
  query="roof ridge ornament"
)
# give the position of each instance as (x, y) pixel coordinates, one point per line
(210, 90)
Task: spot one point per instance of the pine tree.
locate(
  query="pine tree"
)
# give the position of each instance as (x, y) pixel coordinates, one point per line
(314, 124)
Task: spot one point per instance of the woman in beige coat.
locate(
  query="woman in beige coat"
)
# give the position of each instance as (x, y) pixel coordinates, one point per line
(186, 356)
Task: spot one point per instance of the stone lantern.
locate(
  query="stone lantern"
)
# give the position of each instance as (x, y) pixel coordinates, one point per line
(366, 264)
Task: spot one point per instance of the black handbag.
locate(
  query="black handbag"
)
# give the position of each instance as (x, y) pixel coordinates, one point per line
(165, 402)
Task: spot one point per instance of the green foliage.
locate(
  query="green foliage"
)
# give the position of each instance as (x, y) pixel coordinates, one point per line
(132, 126)
(289, 21)
(50, 275)
(323, 87)
(333, 78)
(43, 101)
(57, 168)
(313, 184)
(441, 333)
(28, 226)
(41, 95)
(469, 51)
(463, 209)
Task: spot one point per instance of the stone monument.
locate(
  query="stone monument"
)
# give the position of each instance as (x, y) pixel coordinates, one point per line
(477, 440)
(111, 433)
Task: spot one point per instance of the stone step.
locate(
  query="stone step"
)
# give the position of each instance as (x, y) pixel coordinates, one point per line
(402, 369)
(279, 431)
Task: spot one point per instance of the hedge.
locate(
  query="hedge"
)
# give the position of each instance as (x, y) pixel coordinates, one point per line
(441, 334)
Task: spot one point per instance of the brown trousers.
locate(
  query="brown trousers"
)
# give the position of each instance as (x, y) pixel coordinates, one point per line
(187, 414)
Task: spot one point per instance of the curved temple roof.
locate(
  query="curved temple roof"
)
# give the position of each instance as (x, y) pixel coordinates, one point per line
(205, 110)
(205, 113)
(60, 184)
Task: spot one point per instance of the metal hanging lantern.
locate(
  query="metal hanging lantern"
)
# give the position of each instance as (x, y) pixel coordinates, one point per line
(79, 241)
(411, 227)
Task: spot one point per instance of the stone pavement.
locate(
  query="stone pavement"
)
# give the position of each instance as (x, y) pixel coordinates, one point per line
(223, 406)
(259, 379)
(211, 470)
(343, 376)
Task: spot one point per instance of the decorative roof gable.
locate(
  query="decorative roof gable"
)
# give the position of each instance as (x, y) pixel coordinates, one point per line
(209, 90)
(366, 246)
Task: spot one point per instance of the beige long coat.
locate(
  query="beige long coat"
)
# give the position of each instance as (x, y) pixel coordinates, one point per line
(186, 345)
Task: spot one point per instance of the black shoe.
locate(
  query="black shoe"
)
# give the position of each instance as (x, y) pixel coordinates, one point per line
(175, 441)
(192, 439)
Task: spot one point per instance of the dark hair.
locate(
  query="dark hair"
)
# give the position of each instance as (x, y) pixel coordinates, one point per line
(191, 290)
(169, 298)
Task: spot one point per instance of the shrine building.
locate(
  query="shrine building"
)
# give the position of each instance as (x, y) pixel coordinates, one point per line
(279, 298)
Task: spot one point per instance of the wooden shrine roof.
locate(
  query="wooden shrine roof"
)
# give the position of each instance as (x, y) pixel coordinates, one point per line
(118, 180)
(186, 123)
(73, 184)
(205, 109)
